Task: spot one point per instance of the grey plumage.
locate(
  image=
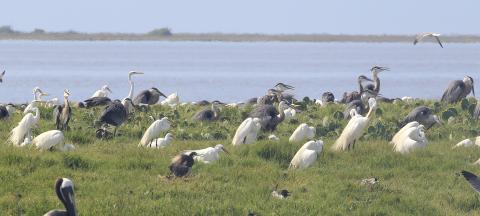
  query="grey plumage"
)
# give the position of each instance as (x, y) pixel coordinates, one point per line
(3, 112)
(349, 97)
(66, 195)
(356, 105)
(1, 76)
(115, 114)
(422, 115)
(269, 116)
(252, 100)
(458, 89)
(150, 97)
(208, 114)
(182, 164)
(328, 97)
(63, 113)
(420, 37)
(96, 101)
(472, 179)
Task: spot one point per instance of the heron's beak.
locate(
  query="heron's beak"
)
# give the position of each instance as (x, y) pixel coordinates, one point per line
(224, 150)
(134, 72)
(43, 94)
(473, 90)
(437, 120)
(108, 89)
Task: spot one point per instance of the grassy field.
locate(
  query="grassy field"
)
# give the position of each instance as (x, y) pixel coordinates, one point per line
(115, 177)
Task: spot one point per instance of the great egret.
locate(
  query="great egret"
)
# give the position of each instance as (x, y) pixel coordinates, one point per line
(464, 143)
(65, 193)
(208, 155)
(24, 127)
(182, 164)
(171, 100)
(247, 132)
(161, 142)
(409, 139)
(280, 194)
(306, 155)
(420, 36)
(269, 116)
(153, 132)
(63, 113)
(458, 89)
(422, 115)
(150, 97)
(48, 140)
(354, 129)
(130, 74)
(103, 92)
(399, 134)
(302, 133)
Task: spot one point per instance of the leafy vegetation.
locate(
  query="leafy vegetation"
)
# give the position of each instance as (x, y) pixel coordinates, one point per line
(115, 177)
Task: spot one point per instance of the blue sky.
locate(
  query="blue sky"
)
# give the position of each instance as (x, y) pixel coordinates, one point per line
(246, 16)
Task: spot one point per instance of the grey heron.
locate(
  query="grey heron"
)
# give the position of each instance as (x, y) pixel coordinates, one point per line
(150, 96)
(208, 114)
(283, 87)
(182, 164)
(63, 113)
(1, 76)
(115, 114)
(327, 97)
(422, 115)
(97, 101)
(420, 37)
(269, 115)
(376, 81)
(65, 193)
(458, 89)
(349, 97)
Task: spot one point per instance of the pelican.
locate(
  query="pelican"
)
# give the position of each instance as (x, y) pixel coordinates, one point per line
(269, 116)
(182, 164)
(280, 194)
(303, 132)
(161, 142)
(1, 76)
(96, 101)
(422, 115)
(208, 155)
(247, 132)
(154, 131)
(464, 143)
(427, 34)
(306, 155)
(327, 97)
(24, 127)
(171, 100)
(283, 87)
(458, 89)
(66, 195)
(114, 114)
(208, 114)
(349, 97)
(63, 113)
(472, 179)
(103, 92)
(410, 138)
(355, 128)
(476, 113)
(150, 96)
(48, 140)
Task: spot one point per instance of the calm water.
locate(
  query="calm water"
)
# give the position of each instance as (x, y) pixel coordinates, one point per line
(229, 72)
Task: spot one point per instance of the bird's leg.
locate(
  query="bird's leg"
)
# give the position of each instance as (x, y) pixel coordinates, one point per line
(115, 132)
(353, 146)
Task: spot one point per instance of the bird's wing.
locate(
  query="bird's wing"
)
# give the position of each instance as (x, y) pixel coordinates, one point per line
(242, 131)
(472, 179)
(418, 38)
(438, 40)
(454, 91)
(142, 97)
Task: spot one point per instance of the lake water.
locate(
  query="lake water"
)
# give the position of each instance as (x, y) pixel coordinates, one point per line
(228, 71)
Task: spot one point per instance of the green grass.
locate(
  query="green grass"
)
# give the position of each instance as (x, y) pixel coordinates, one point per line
(115, 177)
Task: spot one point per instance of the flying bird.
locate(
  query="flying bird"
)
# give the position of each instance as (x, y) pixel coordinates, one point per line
(65, 193)
(458, 89)
(427, 34)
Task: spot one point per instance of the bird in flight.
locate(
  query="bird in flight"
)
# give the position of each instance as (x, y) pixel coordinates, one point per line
(427, 34)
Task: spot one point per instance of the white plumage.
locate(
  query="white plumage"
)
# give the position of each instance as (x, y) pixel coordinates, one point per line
(49, 139)
(31, 105)
(154, 131)
(477, 141)
(410, 137)
(399, 134)
(302, 133)
(247, 132)
(464, 143)
(354, 129)
(208, 155)
(273, 137)
(24, 127)
(289, 112)
(306, 155)
(171, 100)
(103, 92)
(161, 142)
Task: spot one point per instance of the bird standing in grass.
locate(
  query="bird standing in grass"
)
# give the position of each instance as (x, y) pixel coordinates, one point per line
(247, 132)
(115, 114)
(181, 165)
(153, 132)
(458, 89)
(410, 137)
(65, 193)
(161, 142)
(208, 155)
(303, 132)
(306, 155)
(63, 113)
(24, 127)
(48, 140)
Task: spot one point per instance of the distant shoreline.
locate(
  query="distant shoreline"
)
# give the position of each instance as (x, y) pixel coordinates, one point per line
(220, 37)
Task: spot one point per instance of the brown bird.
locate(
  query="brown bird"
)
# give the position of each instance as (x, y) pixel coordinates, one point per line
(65, 193)
(182, 164)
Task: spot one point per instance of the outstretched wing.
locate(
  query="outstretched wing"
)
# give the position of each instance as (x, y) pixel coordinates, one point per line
(472, 179)
(438, 40)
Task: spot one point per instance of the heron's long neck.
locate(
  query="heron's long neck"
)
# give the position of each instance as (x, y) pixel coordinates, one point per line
(130, 94)
(360, 86)
(37, 114)
(36, 96)
(66, 102)
(281, 115)
(370, 113)
(377, 83)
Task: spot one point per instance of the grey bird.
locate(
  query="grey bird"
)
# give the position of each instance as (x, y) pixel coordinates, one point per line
(375, 87)
(96, 101)
(327, 97)
(420, 37)
(283, 87)
(63, 113)
(115, 114)
(1, 76)
(65, 193)
(422, 115)
(208, 114)
(472, 179)
(269, 115)
(356, 105)
(349, 97)
(476, 113)
(182, 164)
(150, 97)
(458, 89)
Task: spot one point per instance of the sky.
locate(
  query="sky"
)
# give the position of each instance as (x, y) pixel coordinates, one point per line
(246, 16)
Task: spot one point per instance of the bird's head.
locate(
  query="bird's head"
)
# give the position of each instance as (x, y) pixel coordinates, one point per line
(220, 147)
(106, 88)
(154, 90)
(66, 93)
(376, 69)
(64, 188)
(469, 80)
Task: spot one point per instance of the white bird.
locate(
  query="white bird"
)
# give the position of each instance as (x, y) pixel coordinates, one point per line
(103, 92)
(130, 74)
(306, 155)
(399, 134)
(33, 104)
(407, 99)
(161, 142)
(154, 131)
(24, 127)
(273, 137)
(464, 143)
(411, 138)
(247, 132)
(208, 155)
(355, 128)
(289, 112)
(302, 133)
(48, 140)
(427, 34)
(171, 100)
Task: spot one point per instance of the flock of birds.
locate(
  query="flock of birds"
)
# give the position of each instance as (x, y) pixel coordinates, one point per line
(269, 111)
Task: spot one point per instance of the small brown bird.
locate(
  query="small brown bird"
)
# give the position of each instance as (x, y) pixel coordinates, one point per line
(182, 164)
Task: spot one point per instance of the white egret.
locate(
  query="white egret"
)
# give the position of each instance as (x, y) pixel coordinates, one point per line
(354, 129)
(171, 100)
(410, 138)
(247, 132)
(154, 131)
(464, 143)
(208, 155)
(24, 127)
(48, 140)
(290, 112)
(132, 85)
(306, 155)
(103, 92)
(302, 133)
(399, 134)
(161, 142)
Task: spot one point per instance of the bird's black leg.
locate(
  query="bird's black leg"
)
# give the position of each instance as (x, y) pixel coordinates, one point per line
(115, 132)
